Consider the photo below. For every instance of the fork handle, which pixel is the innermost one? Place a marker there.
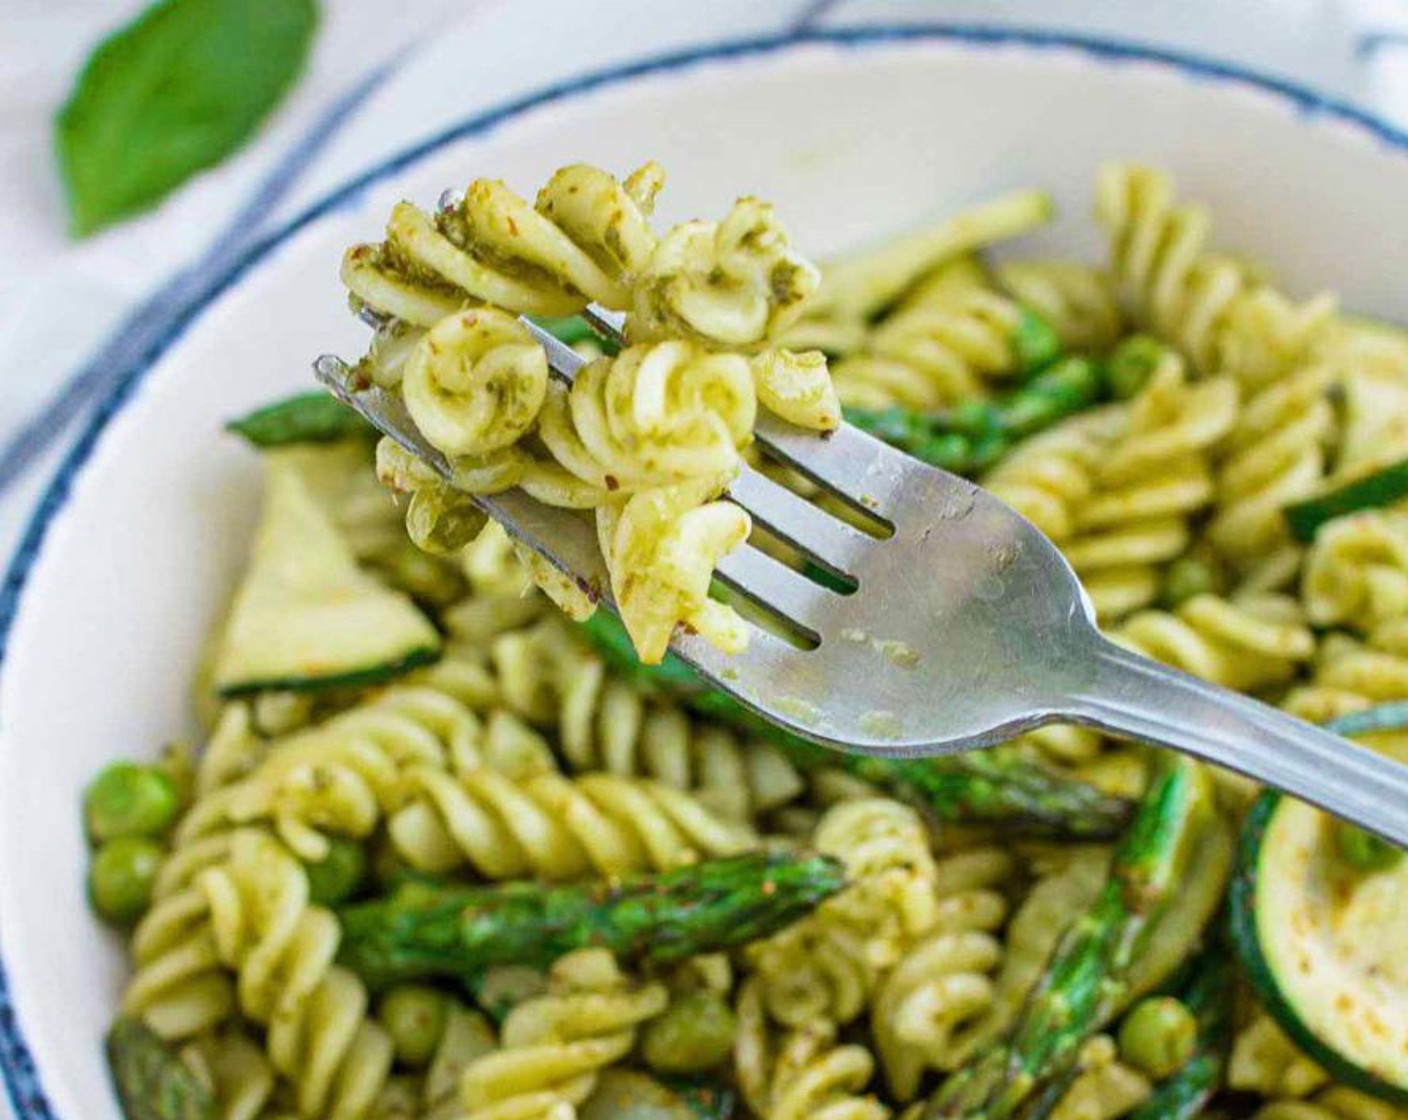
(1131, 695)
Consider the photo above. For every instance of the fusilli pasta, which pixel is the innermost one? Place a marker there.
(805, 1074)
(552, 1047)
(944, 983)
(601, 723)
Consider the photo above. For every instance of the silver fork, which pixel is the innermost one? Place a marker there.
(960, 626)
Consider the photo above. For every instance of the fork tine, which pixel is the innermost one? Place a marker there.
(562, 359)
(562, 537)
(778, 589)
(820, 537)
(850, 464)
(768, 672)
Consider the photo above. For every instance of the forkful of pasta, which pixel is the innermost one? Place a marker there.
(833, 584)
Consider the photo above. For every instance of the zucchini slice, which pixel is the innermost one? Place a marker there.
(307, 617)
(1325, 944)
(1181, 930)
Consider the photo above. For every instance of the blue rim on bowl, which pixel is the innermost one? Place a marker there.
(16, 1062)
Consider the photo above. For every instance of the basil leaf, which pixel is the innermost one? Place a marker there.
(174, 92)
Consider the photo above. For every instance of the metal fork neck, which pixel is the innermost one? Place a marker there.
(1130, 695)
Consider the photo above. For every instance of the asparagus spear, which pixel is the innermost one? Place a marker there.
(1184, 1095)
(1089, 970)
(303, 418)
(425, 930)
(972, 436)
(152, 1082)
(994, 786)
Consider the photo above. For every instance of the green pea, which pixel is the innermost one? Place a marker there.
(130, 800)
(1035, 343)
(1185, 578)
(336, 877)
(1158, 1036)
(414, 1015)
(1363, 850)
(692, 1035)
(121, 877)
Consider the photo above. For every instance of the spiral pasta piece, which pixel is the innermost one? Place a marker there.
(651, 416)
(956, 329)
(1356, 572)
(1275, 455)
(828, 965)
(797, 387)
(552, 1047)
(548, 826)
(733, 284)
(248, 915)
(804, 1075)
(232, 750)
(944, 983)
(551, 258)
(661, 548)
(1249, 644)
(885, 848)
(282, 948)
(1048, 476)
(348, 773)
(1076, 300)
(1368, 348)
(475, 382)
(179, 984)
(1148, 486)
(1117, 490)
(551, 677)
(1351, 675)
(1206, 304)
(865, 380)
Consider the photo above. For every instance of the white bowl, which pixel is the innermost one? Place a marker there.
(852, 136)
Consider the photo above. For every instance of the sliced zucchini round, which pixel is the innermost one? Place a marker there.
(1325, 943)
(306, 616)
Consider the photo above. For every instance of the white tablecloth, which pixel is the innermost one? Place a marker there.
(59, 300)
